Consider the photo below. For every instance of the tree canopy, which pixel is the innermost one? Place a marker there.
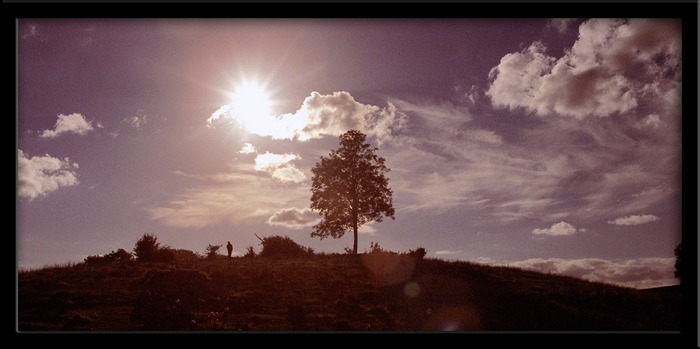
(349, 188)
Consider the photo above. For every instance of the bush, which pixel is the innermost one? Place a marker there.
(212, 250)
(375, 248)
(419, 252)
(278, 246)
(186, 257)
(165, 255)
(146, 248)
(250, 252)
(120, 256)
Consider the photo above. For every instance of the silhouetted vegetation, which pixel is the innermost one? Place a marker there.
(250, 252)
(119, 256)
(148, 249)
(282, 246)
(379, 290)
(349, 188)
(212, 250)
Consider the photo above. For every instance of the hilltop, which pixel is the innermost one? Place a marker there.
(329, 292)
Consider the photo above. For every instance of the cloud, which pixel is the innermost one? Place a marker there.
(651, 121)
(634, 220)
(294, 218)
(73, 123)
(446, 252)
(279, 166)
(137, 120)
(40, 175)
(225, 198)
(613, 67)
(557, 229)
(636, 273)
(247, 149)
(33, 31)
(320, 115)
(561, 24)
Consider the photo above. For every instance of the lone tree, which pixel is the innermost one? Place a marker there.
(349, 188)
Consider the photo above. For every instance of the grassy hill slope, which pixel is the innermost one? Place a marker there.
(367, 292)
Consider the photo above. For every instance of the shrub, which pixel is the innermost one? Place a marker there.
(165, 255)
(418, 252)
(278, 246)
(146, 248)
(120, 256)
(212, 250)
(186, 257)
(375, 248)
(250, 252)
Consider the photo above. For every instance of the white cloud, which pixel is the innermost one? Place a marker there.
(279, 166)
(557, 229)
(634, 220)
(294, 218)
(636, 273)
(33, 31)
(446, 252)
(608, 70)
(72, 123)
(319, 115)
(652, 121)
(40, 175)
(137, 120)
(226, 198)
(247, 149)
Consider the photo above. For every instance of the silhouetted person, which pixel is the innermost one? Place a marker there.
(229, 247)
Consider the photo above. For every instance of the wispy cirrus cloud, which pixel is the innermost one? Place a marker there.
(634, 220)
(41, 175)
(225, 198)
(71, 123)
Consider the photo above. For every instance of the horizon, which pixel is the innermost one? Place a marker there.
(543, 144)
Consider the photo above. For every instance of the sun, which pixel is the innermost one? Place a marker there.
(251, 105)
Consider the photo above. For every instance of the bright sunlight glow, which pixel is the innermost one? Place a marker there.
(251, 106)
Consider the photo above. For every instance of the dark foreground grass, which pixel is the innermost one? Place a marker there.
(369, 292)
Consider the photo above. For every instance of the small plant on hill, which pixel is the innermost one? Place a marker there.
(279, 246)
(250, 252)
(212, 250)
(375, 248)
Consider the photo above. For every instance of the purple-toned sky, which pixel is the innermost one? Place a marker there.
(545, 144)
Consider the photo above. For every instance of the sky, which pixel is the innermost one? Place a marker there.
(545, 144)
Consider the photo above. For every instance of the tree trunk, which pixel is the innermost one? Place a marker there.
(355, 202)
(354, 245)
